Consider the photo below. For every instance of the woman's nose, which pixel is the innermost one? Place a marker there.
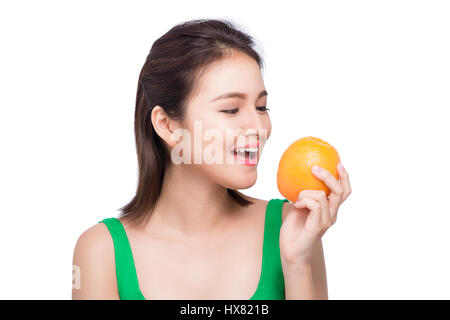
(252, 121)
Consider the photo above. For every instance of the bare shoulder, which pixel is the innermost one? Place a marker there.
(94, 265)
(94, 240)
(262, 204)
(287, 206)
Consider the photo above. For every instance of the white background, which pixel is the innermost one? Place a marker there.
(370, 77)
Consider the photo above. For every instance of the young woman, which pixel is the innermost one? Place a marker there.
(188, 233)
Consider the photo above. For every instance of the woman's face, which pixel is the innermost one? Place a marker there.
(217, 125)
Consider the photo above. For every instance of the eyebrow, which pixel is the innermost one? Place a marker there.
(239, 95)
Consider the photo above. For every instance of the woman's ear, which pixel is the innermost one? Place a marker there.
(164, 126)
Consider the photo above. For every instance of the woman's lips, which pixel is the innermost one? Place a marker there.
(245, 158)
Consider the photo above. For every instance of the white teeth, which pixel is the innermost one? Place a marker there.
(252, 153)
(246, 150)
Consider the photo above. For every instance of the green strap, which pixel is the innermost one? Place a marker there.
(127, 281)
(272, 282)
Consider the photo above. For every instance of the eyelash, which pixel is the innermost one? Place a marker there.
(236, 110)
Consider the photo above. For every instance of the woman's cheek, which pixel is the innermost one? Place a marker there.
(266, 128)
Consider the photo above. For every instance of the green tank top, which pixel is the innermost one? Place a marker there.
(271, 281)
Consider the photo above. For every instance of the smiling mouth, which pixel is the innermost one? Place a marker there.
(248, 156)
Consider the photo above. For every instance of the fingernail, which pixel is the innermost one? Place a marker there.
(316, 169)
(340, 166)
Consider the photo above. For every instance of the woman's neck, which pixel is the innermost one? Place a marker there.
(190, 204)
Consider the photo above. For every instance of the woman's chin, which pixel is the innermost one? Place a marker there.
(241, 180)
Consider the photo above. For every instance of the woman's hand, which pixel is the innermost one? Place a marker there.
(310, 217)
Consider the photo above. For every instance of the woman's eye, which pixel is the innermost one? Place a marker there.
(231, 111)
(263, 108)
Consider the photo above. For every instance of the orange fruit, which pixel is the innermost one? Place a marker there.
(294, 169)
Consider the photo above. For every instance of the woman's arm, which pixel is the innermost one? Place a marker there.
(319, 273)
(307, 281)
(303, 226)
(94, 275)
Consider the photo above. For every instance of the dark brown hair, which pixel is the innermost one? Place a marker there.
(169, 78)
